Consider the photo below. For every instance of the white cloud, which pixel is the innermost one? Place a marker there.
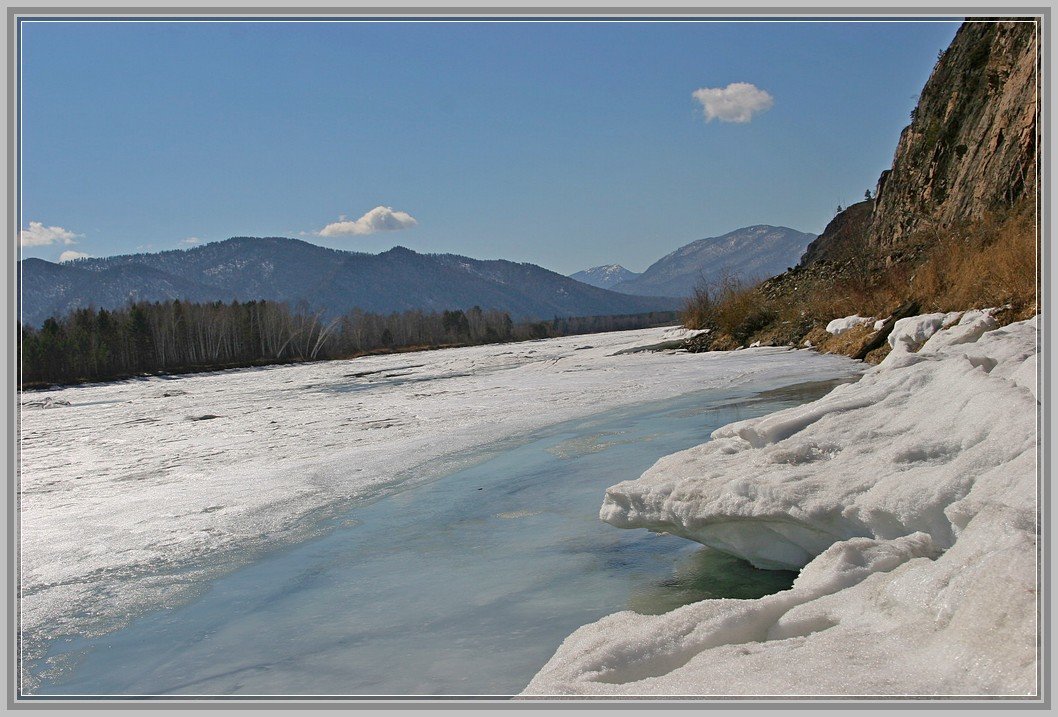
(379, 219)
(39, 235)
(737, 102)
(191, 241)
(71, 255)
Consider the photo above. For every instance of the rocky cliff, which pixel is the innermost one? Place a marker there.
(952, 225)
(971, 148)
(972, 145)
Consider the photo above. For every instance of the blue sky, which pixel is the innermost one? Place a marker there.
(565, 144)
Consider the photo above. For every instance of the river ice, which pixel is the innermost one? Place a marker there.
(908, 500)
(135, 492)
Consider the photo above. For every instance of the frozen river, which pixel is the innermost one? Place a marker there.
(427, 525)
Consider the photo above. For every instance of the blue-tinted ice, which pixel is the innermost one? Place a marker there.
(462, 586)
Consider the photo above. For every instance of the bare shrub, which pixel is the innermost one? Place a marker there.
(730, 305)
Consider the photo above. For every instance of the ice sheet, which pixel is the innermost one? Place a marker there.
(136, 491)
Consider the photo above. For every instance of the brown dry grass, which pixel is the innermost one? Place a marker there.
(989, 262)
(732, 306)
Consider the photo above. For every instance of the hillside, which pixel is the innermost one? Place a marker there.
(843, 236)
(755, 252)
(290, 270)
(53, 289)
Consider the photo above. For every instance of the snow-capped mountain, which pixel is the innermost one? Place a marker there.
(605, 276)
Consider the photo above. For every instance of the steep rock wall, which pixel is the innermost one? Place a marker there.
(972, 145)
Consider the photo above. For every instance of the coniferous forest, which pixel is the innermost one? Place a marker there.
(178, 337)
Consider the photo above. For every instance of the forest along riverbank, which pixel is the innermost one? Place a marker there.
(135, 493)
(465, 585)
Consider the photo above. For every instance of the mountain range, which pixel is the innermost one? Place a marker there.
(291, 270)
(753, 253)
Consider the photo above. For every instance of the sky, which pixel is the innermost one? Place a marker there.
(564, 144)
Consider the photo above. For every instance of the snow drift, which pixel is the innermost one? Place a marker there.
(908, 501)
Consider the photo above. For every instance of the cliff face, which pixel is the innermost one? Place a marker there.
(971, 147)
(970, 155)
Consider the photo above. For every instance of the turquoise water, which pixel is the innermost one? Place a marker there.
(462, 586)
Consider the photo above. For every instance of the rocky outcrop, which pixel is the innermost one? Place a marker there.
(844, 234)
(972, 145)
(971, 149)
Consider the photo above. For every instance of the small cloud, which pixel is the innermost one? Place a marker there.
(737, 102)
(379, 219)
(71, 255)
(39, 235)
(191, 241)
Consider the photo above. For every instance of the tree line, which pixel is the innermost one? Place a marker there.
(178, 336)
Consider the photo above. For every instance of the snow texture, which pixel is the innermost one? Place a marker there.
(908, 502)
(839, 326)
(133, 493)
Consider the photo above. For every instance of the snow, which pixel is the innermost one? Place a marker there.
(911, 334)
(679, 332)
(839, 326)
(136, 492)
(908, 502)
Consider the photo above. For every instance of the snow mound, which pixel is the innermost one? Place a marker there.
(908, 501)
(914, 333)
(839, 326)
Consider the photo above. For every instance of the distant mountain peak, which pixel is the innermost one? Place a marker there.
(604, 276)
(758, 251)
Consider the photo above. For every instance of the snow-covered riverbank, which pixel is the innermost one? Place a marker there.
(134, 492)
(910, 500)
